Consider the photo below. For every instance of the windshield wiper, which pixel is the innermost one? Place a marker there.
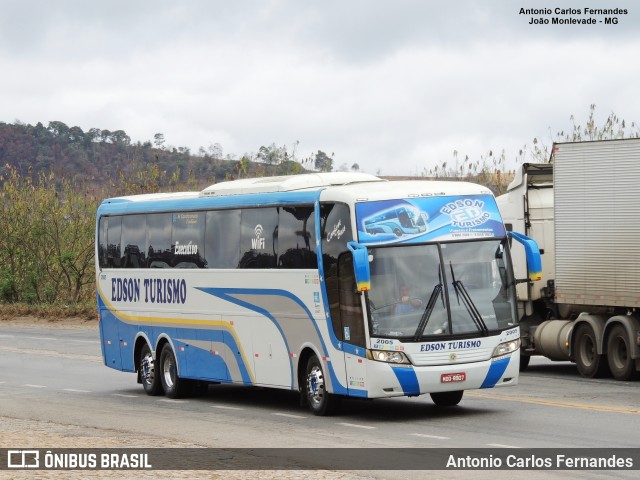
(461, 292)
(437, 290)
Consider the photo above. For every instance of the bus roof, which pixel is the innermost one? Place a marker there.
(305, 188)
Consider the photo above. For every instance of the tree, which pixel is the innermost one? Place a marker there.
(158, 140)
(323, 162)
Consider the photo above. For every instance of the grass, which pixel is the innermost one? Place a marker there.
(48, 312)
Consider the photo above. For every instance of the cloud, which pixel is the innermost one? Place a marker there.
(392, 86)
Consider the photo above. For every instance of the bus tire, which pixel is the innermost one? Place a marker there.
(589, 363)
(320, 401)
(149, 375)
(173, 385)
(622, 366)
(447, 399)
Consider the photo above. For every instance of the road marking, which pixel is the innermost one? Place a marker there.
(82, 341)
(355, 425)
(7, 336)
(500, 445)
(169, 400)
(30, 385)
(48, 339)
(124, 395)
(551, 403)
(289, 415)
(435, 437)
(3, 382)
(224, 407)
(76, 391)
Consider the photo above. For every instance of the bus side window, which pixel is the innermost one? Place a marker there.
(187, 240)
(297, 238)
(114, 242)
(350, 304)
(222, 249)
(335, 231)
(259, 238)
(102, 242)
(134, 240)
(159, 250)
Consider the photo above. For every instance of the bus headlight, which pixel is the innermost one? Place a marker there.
(506, 347)
(387, 356)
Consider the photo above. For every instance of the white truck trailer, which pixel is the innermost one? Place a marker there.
(583, 210)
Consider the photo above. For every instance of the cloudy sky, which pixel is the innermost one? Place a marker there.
(395, 86)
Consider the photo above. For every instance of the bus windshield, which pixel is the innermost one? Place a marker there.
(438, 290)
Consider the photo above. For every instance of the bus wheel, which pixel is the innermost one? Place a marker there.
(447, 399)
(148, 374)
(320, 401)
(589, 363)
(622, 366)
(174, 386)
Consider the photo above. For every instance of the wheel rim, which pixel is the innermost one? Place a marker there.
(147, 369)
(315, 383)
(587, 350)
(169, 371)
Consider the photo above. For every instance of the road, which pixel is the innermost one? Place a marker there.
(56, 376)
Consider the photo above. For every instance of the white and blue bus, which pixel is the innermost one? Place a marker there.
(276, 282)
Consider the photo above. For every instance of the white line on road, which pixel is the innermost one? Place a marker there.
(169, 400)
(224, 407)
(76, 391)
(49, 339)
(7, 336)
(499, 445)
(82, 341)
(124, 395)
(435, 437)
(30, 385)
(289, 415)
(355, 425)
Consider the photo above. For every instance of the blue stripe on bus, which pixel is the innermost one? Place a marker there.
(408, 380)
(225, 294)
(495, 372)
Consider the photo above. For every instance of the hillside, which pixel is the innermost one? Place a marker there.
(99, 157)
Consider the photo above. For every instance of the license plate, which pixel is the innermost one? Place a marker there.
(453, 377)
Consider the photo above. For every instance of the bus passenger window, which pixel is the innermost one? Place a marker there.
(134, 240)
(114, 241)
(258, 238)
(187, 240)
(296, 238)
(159, 251)
(222, 249)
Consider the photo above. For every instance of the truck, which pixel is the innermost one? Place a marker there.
(583, 210)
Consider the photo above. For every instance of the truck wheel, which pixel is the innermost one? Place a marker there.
(589, 363)
(447, 399)
(621, 364)
(148, 373)
(320, 401)
(174, 386)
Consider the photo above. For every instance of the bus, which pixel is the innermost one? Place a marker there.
(276, 282)
(400, 220)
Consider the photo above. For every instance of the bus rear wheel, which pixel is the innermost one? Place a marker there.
(320, 401)
(174, 386)
(148, 373)
(447, 399)
(622, 366)
(589, 363)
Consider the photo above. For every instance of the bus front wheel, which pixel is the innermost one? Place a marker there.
(320, 401)
(447, 399)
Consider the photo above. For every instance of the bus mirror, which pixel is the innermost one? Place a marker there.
(534, 261)
(360, 266)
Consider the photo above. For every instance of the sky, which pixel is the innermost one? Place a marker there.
(394, 86)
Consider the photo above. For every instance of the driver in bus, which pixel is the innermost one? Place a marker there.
(407, 303)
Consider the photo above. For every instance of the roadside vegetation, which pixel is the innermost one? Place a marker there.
(47, 215)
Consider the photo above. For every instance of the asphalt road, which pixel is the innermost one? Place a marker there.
(57, 375)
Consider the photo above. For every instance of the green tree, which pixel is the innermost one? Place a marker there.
(323, 162)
